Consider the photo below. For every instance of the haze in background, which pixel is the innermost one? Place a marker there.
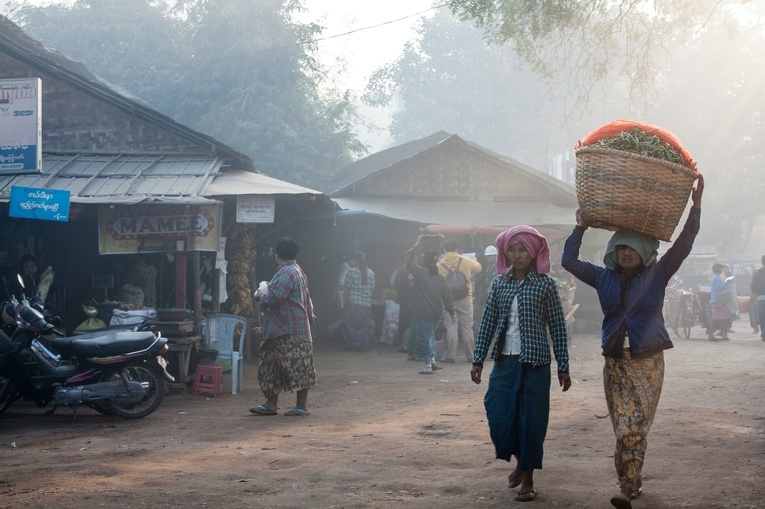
(374, 35)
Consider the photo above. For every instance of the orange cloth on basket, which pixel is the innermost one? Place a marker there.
(621, 125)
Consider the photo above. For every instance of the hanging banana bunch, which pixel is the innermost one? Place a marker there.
(240, 249)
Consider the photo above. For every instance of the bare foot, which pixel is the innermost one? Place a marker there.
(515, 478)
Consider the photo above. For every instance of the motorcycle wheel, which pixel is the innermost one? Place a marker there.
(8, 393)
(152, 383)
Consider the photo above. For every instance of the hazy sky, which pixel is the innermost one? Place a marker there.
(378, 37)
(379, 32)
(360, 35)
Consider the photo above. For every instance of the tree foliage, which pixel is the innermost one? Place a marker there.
(243, 72)
(450, 79)
(595, 42)
(709, 93)
(715, 93)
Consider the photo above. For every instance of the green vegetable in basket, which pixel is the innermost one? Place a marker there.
(640, 142)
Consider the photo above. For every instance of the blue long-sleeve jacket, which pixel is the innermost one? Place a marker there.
(643, 314)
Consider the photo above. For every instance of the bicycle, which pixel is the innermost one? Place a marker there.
(686, 314)
(681, 309)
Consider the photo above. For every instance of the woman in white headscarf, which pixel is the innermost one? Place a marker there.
(631, 292)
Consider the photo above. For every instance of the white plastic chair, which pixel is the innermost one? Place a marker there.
(220, 331)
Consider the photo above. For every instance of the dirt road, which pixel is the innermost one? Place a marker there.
(380, 435)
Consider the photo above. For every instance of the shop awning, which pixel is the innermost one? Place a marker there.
(464, 213)
(122, 178)
(237, 182)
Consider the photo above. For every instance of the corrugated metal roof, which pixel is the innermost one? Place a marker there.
(121, 178)
(236, 182)
(20, 46)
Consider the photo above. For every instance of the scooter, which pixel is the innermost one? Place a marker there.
(114, 372)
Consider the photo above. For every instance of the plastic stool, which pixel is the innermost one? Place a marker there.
(213, 386)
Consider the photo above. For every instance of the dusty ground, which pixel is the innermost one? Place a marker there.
(380, 435)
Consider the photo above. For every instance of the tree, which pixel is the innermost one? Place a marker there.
(450, 79)
(596, 42)
(136, 45)
(715, 94)
(243, 72)
(709, 94)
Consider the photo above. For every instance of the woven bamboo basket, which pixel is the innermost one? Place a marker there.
(618, 189)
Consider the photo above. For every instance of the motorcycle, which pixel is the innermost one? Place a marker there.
(118, 373)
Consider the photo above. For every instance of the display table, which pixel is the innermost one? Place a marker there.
(174, 329)
(182, 350)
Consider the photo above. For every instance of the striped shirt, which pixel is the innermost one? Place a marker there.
(287, 306)
(358, 293)
(539, 311)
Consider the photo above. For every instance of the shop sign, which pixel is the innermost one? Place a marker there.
(38, 203)
(157, 228)
(20, 126)
(255, 209)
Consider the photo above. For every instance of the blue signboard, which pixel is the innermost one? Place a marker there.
(37, 203)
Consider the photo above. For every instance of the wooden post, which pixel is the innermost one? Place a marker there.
(216, 290)
(180, 279)
(196, 289)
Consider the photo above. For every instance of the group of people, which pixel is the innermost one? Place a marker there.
(465, 301)
(522, 307)
(724, 305)
(354, 293)
(427, 300)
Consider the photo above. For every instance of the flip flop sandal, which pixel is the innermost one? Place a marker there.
(299, 412)
(263, 410)
(527, 496)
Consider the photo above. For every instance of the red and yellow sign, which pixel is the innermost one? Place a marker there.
(158, 228)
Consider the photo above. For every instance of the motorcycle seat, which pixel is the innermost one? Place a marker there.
(104, 344)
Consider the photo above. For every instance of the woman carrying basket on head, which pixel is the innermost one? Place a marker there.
(631, 292)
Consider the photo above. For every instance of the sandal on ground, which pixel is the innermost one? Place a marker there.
(526, 496)
(263, 410)
(514, 481)
(621, 501)
(299, 412)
